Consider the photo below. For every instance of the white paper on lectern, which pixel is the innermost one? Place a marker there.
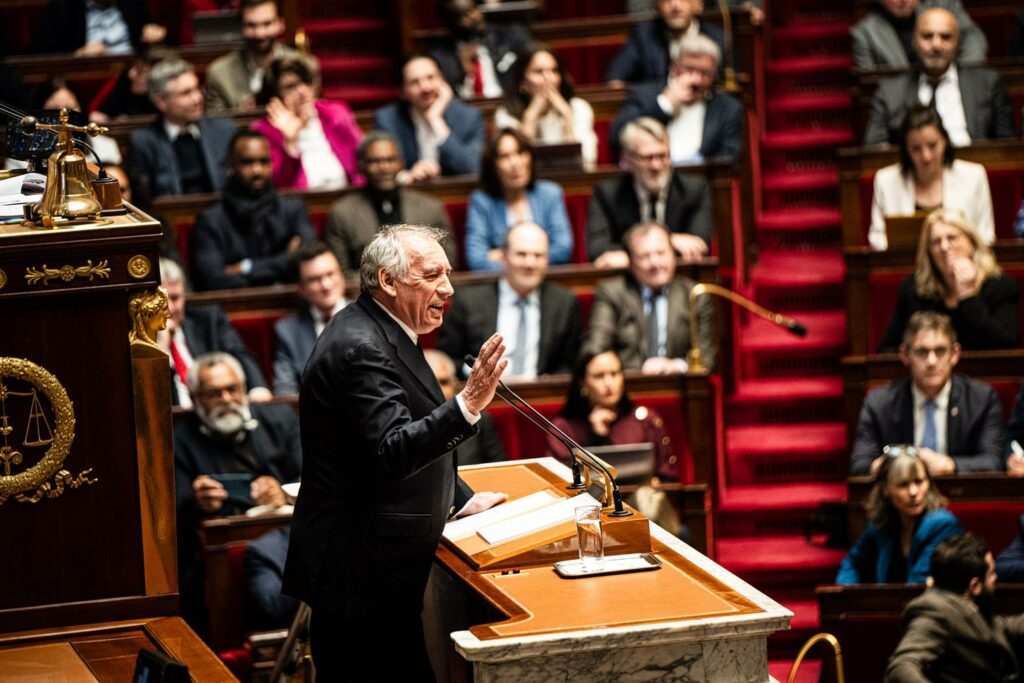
(467, 526)
(547, 516)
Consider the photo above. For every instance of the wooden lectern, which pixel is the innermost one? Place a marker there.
(87, 507)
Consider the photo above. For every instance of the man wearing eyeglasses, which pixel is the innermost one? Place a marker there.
(955, 422)
(650, 192)
(229, 455)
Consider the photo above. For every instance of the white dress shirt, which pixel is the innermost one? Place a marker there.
(948, 103)
(488, 74)
(318, 318)
(645, 203)
(508, 326)
(323, 170)
(173, 130)
(685, 130)
(941, 404)
(662, 303)
(107, 26)
(426, 141)
(163, 338)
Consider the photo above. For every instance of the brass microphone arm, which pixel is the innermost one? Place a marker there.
(836, 651)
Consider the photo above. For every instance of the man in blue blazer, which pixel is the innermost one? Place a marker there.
(702, 123)
(955, 422)
(182, 152)
(322, 288)
(648, 52)
(438, 134)
(378, 475)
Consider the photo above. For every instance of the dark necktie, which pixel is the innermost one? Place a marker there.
(653, 199)
(190, 164)
(653, 325)
(934, 85)
(930, 438)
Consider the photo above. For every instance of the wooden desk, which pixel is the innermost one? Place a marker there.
(544, 621)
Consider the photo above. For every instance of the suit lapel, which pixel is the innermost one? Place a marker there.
(547, 329)
(972, 104)
(633, 305)
(674, 202)
(954, 419)
(678, 319)
(627, 205)
(905, 413)
(410, 354)
(168, 156)
(711, 123)
(307, 331)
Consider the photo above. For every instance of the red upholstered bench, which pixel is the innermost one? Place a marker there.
(257, 332)
(995, 521)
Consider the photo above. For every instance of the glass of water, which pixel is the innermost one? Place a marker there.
(588, 533)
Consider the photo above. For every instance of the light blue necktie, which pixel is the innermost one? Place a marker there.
(519, 353)
(929, 438)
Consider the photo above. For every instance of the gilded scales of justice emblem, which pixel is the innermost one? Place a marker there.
(37, 426)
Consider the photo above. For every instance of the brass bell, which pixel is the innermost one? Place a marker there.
(68, 192)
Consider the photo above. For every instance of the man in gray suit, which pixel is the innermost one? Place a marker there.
(885, 36)
(540, 321)
(972, 102)
(355, 218)
(182, 152)
(322, 288)
(644, 316)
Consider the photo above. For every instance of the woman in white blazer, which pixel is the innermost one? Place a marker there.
(928, 177)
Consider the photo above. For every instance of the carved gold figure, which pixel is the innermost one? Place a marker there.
(149, 314)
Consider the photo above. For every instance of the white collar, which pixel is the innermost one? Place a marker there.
(952, 76)
(173, 130)
(506, 293)
(405, 328)
(941, 399)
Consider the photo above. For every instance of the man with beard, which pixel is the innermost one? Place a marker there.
(233, 80)
(355, 218)
(951, 633)
(228, 456)
(972, 101)
(249, 237)
(885, 37)
(476, 59)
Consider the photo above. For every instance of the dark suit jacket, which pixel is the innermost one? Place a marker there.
(62, 27)
(618, 323)
(207, 329)
(502, 41)
(353, 221)
(974, 425)
(1015, 428)
(473, 318)
(1016, 46)
(723, 119)
(1010, 562)
(263, 561)
(645, 55)
(485, 448)
(614, 209)
(378, 479)
(460, 153)
(986, 106)
(220, 240)
(947, 640)
(152, 155)
(294, 339)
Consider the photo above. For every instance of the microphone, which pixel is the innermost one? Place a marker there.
(570, 444)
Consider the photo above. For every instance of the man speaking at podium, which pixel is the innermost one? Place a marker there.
(378, 474)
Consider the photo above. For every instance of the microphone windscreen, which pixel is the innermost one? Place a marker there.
(798, 329)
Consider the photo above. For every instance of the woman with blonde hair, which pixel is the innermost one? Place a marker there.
(907, 518)
(957, 274)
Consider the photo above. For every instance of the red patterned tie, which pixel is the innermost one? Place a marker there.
(180, 366)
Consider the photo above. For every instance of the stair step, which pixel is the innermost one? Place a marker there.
(360, 96)
(321, 27)
(332, 61)
(803, 102)
(825, 329)
(781, 181)
(810, 670)
(753, 499)
(809, 64)
(802, 138)
(805, 613)
(779, 555)
(811, 30)
(822, 388)
(798, 269)
(799, 219)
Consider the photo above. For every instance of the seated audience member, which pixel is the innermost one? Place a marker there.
(438, 134)
(129, 94)
(598, 412)
(951, 633)
(1015, 432)
(322, 289)
(228, 456)
(955, 422)
(541, 104)
(249, 238)
(1016, 45)
(927, 177)
(539, 320)
(98, 27)
(263, 563)
(885, 37)
(475, 57)
(486, 446)
(197, 331)
(354, 219)
(956, 274)
(649, 193)
(56, 93)
(701, 122)
(183, 151)
(644, 316)
(312, 141)
(907, 518)
(655, 43)
(1010, 563)
(511, 194)
(972, 101)
(233, 80)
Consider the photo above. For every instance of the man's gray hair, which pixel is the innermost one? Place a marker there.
(645, 125)
(170, 271)
(209, 360)
(376, 136)
(163, 73)
(700, 45)
(387, 250)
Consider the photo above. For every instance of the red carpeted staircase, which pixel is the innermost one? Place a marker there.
(785, 440)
